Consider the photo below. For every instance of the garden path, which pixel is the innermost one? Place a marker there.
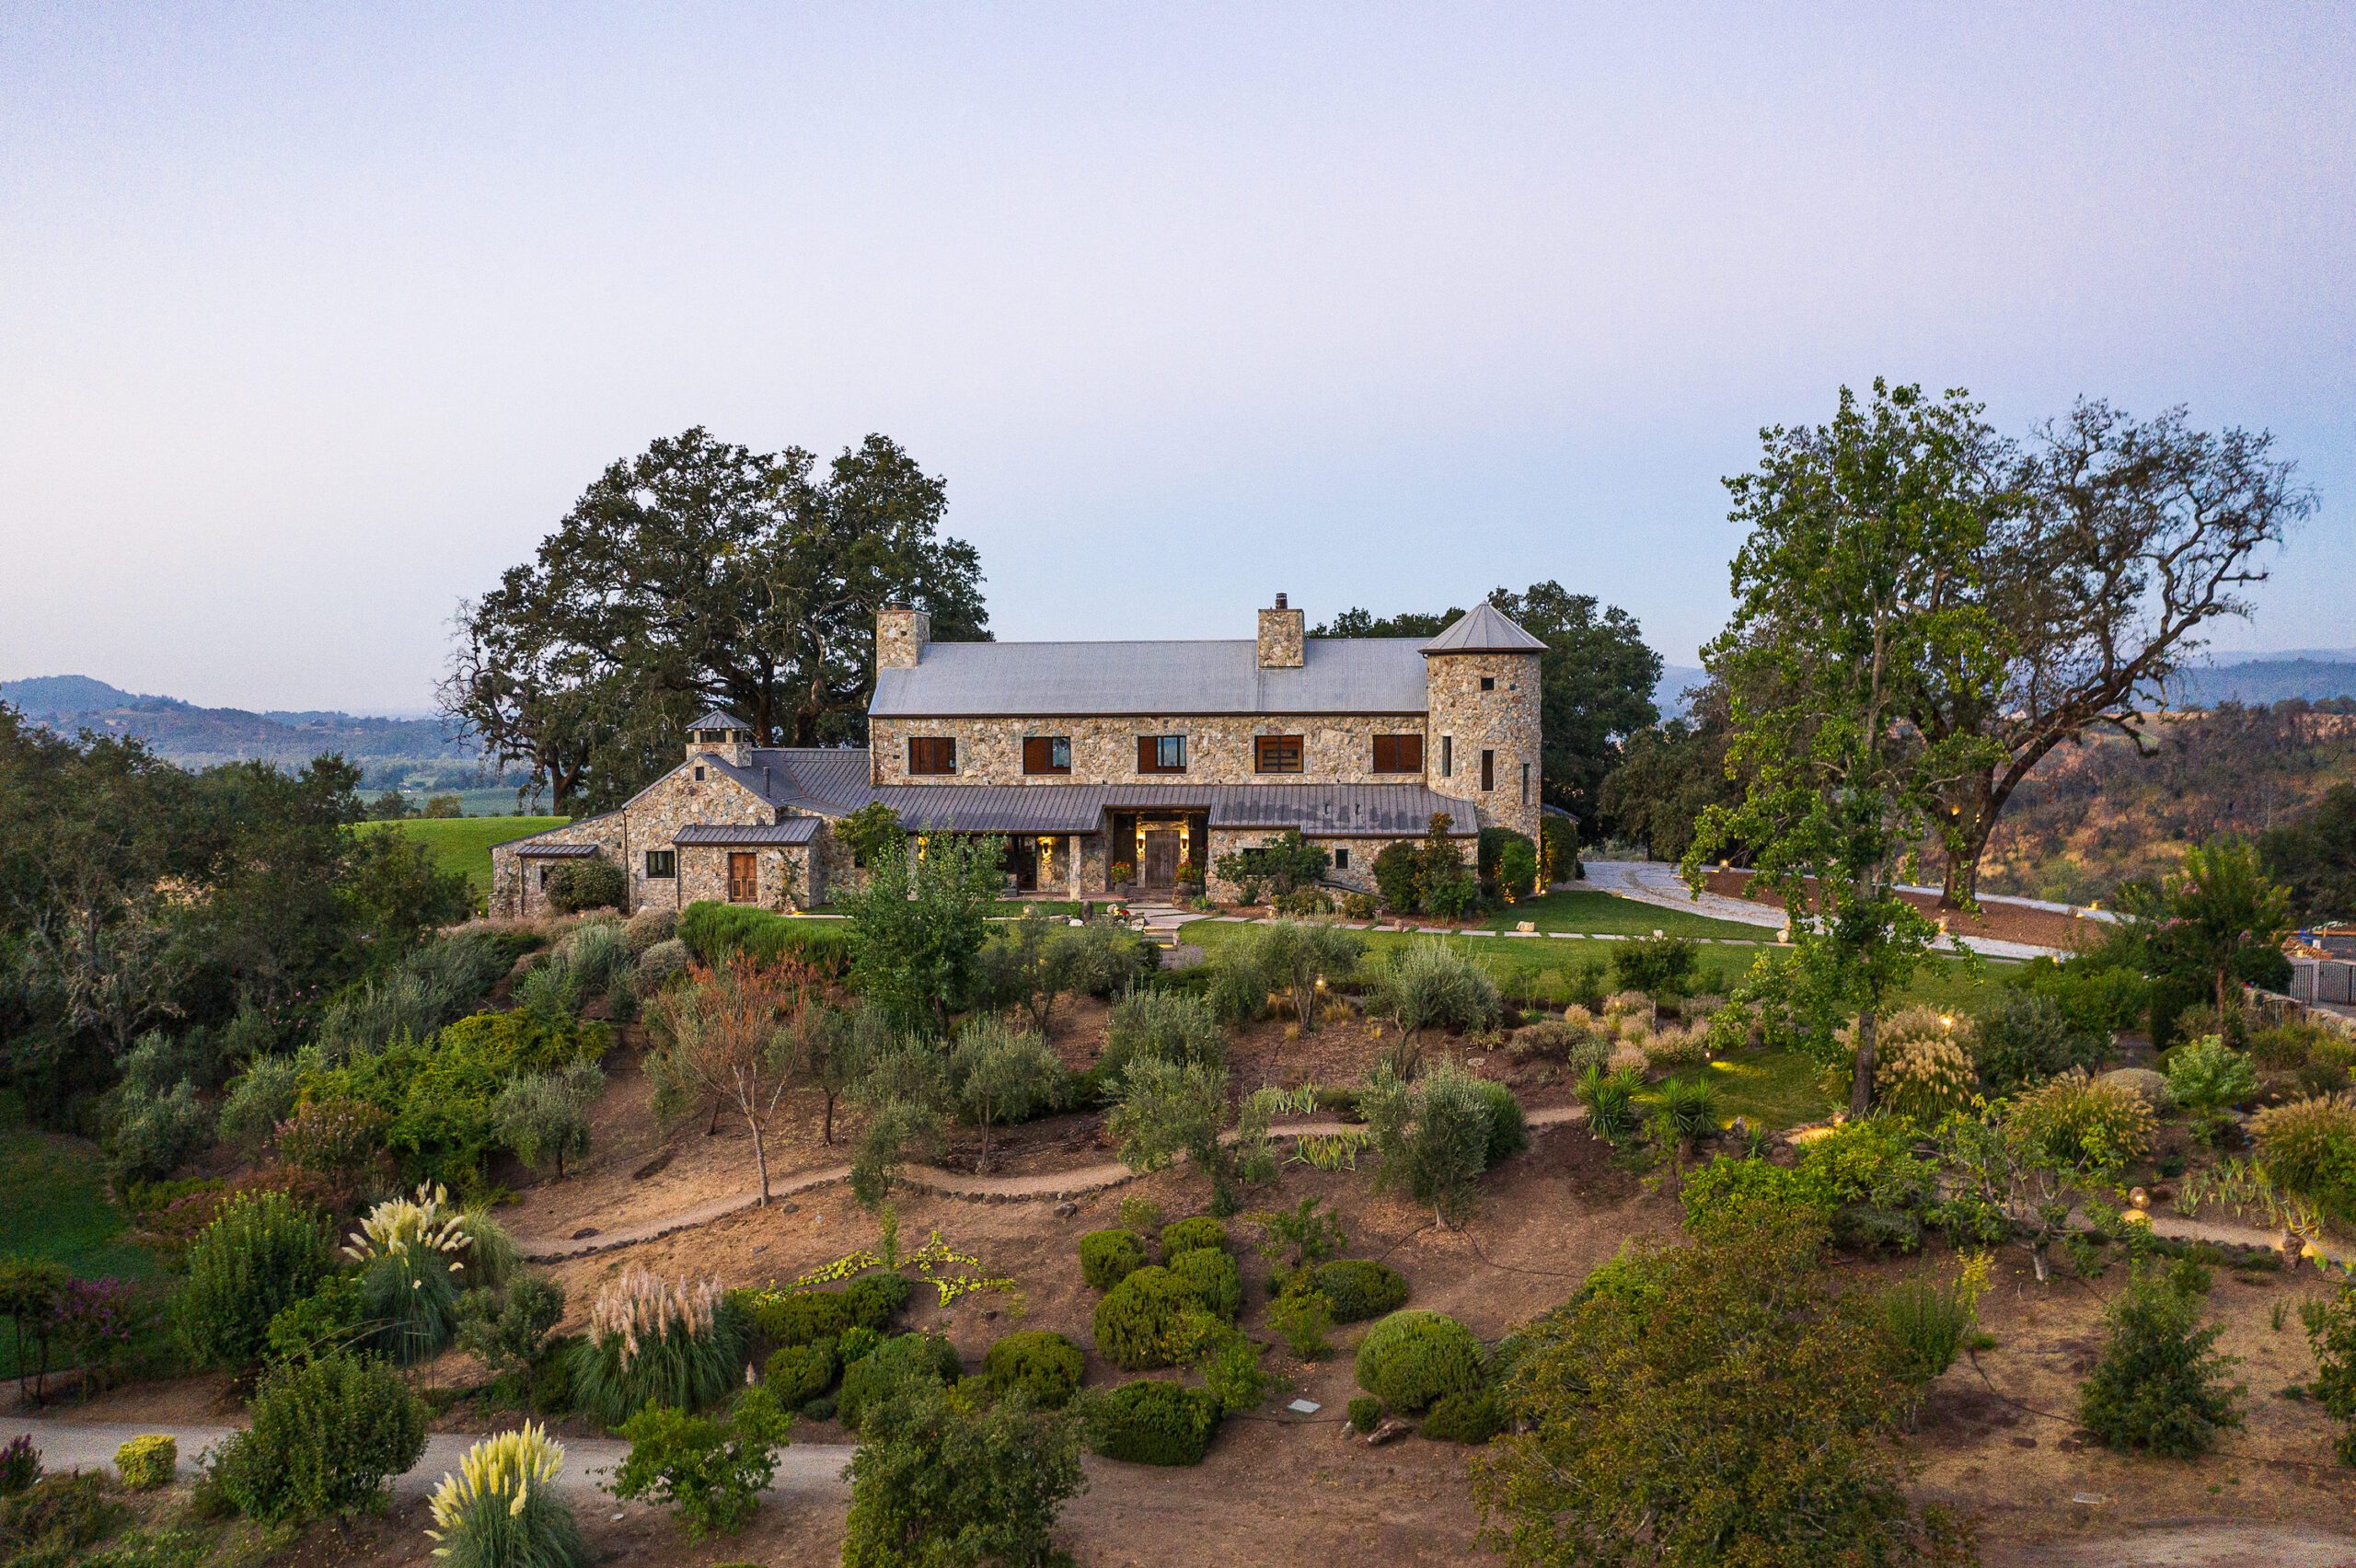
(1657, 882)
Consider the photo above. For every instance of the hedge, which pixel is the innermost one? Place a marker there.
(1108, 1257)
(1154, 1423)
(800, 1317)
(800, 1373)
(876, 1298)
(871, 1377)
(1154, 1318)
(1212, 1276)
(1186, 1235)
(717, 932)
(147, 1462)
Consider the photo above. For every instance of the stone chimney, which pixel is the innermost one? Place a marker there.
(1280, 637)
(900, 636)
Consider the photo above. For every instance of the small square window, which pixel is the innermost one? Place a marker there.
(932, 754)
(1276, 754)
(1488, 683)
(1398, 753)
(662, 862)
(1162, 754)
(1046, 754)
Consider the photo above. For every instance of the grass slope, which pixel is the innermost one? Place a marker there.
(463, 844)
(1585, 909)
(53, 1206)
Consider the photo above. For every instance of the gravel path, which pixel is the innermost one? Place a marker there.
(803, 1467)
(1049, 1184)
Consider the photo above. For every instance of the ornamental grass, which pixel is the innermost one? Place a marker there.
(501, 1509)
(653, 1341)
(410, 1252)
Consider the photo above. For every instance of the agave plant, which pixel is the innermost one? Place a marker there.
(652, 1341)
(502, 1510)
(410, 1254)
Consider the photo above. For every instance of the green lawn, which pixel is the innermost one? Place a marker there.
(463, 844)
(53, 1206)
(1774, 1088)
(1584, 909)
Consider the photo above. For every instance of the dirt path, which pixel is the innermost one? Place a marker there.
(1047, 1184)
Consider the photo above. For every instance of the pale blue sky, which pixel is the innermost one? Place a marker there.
(313, 319)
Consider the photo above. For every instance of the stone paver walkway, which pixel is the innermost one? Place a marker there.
(1038, 1185)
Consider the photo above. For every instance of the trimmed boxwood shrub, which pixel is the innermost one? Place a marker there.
(1186, 1235)
(802, 1317)
(1365, 1412)
(1108, 1257)
(1212, 1276)
(1361, 1288)
(1154, 1318)
(148, 1462)
(1045, 1365)
(800, 1373)
(592, 884)
(1466, 1418)
(875, 1300)
(1153, 1423)
(871, 1377)
(1412, 1358)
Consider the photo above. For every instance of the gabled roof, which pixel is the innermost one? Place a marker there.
(1484, 628)
(719, 718)
(792, 830)
(1337, 674)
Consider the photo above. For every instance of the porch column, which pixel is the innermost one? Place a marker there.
(1071, 862)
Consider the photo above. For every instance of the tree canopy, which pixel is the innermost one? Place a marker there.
(703, 574)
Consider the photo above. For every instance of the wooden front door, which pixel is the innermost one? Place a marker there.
(1161, 867)
(744, 879)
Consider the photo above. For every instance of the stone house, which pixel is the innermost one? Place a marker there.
(1093, 758)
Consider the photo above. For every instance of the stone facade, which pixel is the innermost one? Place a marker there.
(1503, 721)
(1357, 875)
(1337, 749)
(900, 635)
(1282, 631)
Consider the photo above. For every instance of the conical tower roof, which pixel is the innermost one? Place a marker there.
(1484, 628)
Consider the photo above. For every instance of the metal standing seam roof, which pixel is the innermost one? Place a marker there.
(526, 846)
(1484, 628)
(719, 718)
(1337, 674)
(792, 830)
(1342, 811)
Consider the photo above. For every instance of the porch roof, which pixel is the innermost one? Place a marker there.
(792, 830)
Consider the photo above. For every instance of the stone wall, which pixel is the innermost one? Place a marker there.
(1337, 749)
(1505, 721)
(783, 873)
(1280, 643)
(1358, 875)
(900, 636)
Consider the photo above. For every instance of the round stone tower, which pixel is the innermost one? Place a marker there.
(1482, 720)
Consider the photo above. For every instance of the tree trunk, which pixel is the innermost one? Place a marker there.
(983, 1163)
(829, 1136)
(1960, 883)
(760, 1159)
(1861, 1081)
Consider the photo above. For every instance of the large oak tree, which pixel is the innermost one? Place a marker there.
(705, 575)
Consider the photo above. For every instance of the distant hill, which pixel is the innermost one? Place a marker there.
(2316, 675)
(1676, 680)
(419, 753)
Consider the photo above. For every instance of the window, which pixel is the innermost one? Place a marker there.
(932, 754)
(1341, 859)
(1447, 757)
(1046, 754)
(1488, 770)
(1488, 683)
(662, 862)
(1525, 783)
(1276, 753)
(699, 775)
(544, 876)
(1162, 754)
(1398, 753)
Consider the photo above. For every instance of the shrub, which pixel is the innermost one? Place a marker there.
(1658, 966)
(659, 965)
(56, 1517)
(1366, 1410)
(1212, 1276)
(1434, 984)
(944, 1480)
(1713, 1192)
(874, 1300)
(1927, 1321)
(262, 1255)
(875, 1378)
(800, 1373)
(1473, 1417)
(262, 1095)
(593, 882)
(708, 1470)
(796, 1317)
(1922, 1066)
(1611, 1101)
(19, 1465)
(2160, 1386)
(148, 1462)
(1298, 958)
(1304, 1318)
(1673, 1048)
(153, 1134)
(2094, 996)
(408, 1251)
(2024, 1038)
(1433, 1136)
(857, 1343)
(502, 1510)
(2308, 1147)
(1412, 1357)
(1509, 1128)
(717, 932)
(2077, 1121)
(544, 1117)
(651, 927)
(1186, 1235)
(1108, 1257)
(1396, 868)
(507, 1331)
(1231, 1373)
(2331, 1334)
(1168, 1026)
(1360, 905)
(1360, 1288)
(1044, 1367)
(1154, 1318)
(1153, 1423)
(652, 1342)
(2208, 1076)
(325, 1438)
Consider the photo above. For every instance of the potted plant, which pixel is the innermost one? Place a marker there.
(1124, 873)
